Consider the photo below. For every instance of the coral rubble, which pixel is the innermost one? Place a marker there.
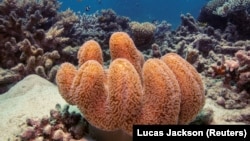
(61, 125)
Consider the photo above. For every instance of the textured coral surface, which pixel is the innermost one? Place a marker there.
(168, 90)
(103, 68)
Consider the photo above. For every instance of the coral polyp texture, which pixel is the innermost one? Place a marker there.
(190, 84)
(161, 94)
(122, 46)
(164, 91)
(90, 50)
(64, 81)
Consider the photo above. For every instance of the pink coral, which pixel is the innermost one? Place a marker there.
(236, 69)
(231, 65)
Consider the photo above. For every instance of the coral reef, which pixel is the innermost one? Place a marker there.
(212, 52)
(38, 36)
(8, 77)
(235, 70)
(22, 23)
(142, 33)
(123, 72)
(33, 35)
(109, 21)
(199, 44)
(98, 26)
(156, 53)
(145, 87)
(61, 125)
(227, 13)
(225, 7)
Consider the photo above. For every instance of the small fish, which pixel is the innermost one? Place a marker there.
(99, 1)
(87, 8)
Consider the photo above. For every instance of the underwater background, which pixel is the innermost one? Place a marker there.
(140, 10)
(88, 70)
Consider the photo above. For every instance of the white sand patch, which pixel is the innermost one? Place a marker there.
(31, 97)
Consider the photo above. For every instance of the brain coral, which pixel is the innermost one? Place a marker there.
(122, 46)
(166, 90)
(143, 33)
(90, 50)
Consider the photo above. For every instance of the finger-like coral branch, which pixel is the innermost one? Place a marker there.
(168, 91)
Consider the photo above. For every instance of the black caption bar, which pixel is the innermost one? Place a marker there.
(199, 132)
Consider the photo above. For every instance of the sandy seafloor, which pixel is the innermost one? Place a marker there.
(31, 97)
(34, 97)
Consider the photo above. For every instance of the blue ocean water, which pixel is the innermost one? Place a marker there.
(140, 10)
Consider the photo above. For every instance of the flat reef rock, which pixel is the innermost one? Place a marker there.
(32, 97)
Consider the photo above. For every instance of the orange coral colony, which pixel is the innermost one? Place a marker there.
(90, 50)
(122, 46)
(158, 91)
